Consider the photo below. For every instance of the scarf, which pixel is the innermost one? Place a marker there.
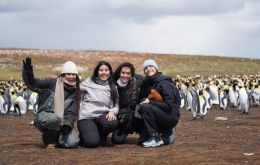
(121, 84)
(101, 82)
(59, 95)
(154, 77)
(59, 98)
(72, 84)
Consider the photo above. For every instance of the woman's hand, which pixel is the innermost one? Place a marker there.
(145, 101)
(111, 116)
(27, 63)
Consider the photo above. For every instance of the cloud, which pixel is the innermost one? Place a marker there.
(16, 6)
(128, 8)
(207, 27)
(145, 9)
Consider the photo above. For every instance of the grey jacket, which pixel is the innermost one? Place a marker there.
(96, 100)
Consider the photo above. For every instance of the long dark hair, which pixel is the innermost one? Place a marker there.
(78, 92)
(111, 82)
(119, 68)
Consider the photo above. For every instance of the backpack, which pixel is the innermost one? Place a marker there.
(176, 95)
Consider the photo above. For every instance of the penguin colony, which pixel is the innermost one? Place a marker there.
(16, 98)
(198, 94)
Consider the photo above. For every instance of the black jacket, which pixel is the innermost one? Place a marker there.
(128, 96)
(165, 86)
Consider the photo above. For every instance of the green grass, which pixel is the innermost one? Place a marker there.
(10, 74)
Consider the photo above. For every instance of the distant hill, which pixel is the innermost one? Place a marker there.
(49, 62)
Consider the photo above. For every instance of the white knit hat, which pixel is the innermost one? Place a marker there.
(151, 63)
(69, 67)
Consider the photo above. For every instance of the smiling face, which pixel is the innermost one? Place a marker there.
(70, 77)
(125, 75)
(103, 72)
(149, 71)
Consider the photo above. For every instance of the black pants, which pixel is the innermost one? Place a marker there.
(156, 121)
(92, 131)
(119, 136)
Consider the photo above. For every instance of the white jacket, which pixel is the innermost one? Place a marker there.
(96, 100)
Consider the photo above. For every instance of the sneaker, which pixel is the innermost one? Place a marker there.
(153, 142)
(168, 136)
(142, 139)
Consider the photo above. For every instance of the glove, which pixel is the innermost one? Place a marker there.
(65, 130)
(27, 63)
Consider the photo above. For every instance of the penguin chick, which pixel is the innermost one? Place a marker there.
(155, 95)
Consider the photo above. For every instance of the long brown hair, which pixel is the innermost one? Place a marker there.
(111, 82)
(77, 92)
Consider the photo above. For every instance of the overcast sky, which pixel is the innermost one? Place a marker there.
(206, 27)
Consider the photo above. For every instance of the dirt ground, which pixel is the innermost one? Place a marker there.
(207, 141)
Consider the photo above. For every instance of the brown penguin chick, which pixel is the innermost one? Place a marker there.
(155, 95)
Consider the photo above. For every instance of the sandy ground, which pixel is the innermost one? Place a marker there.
(203, 141)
